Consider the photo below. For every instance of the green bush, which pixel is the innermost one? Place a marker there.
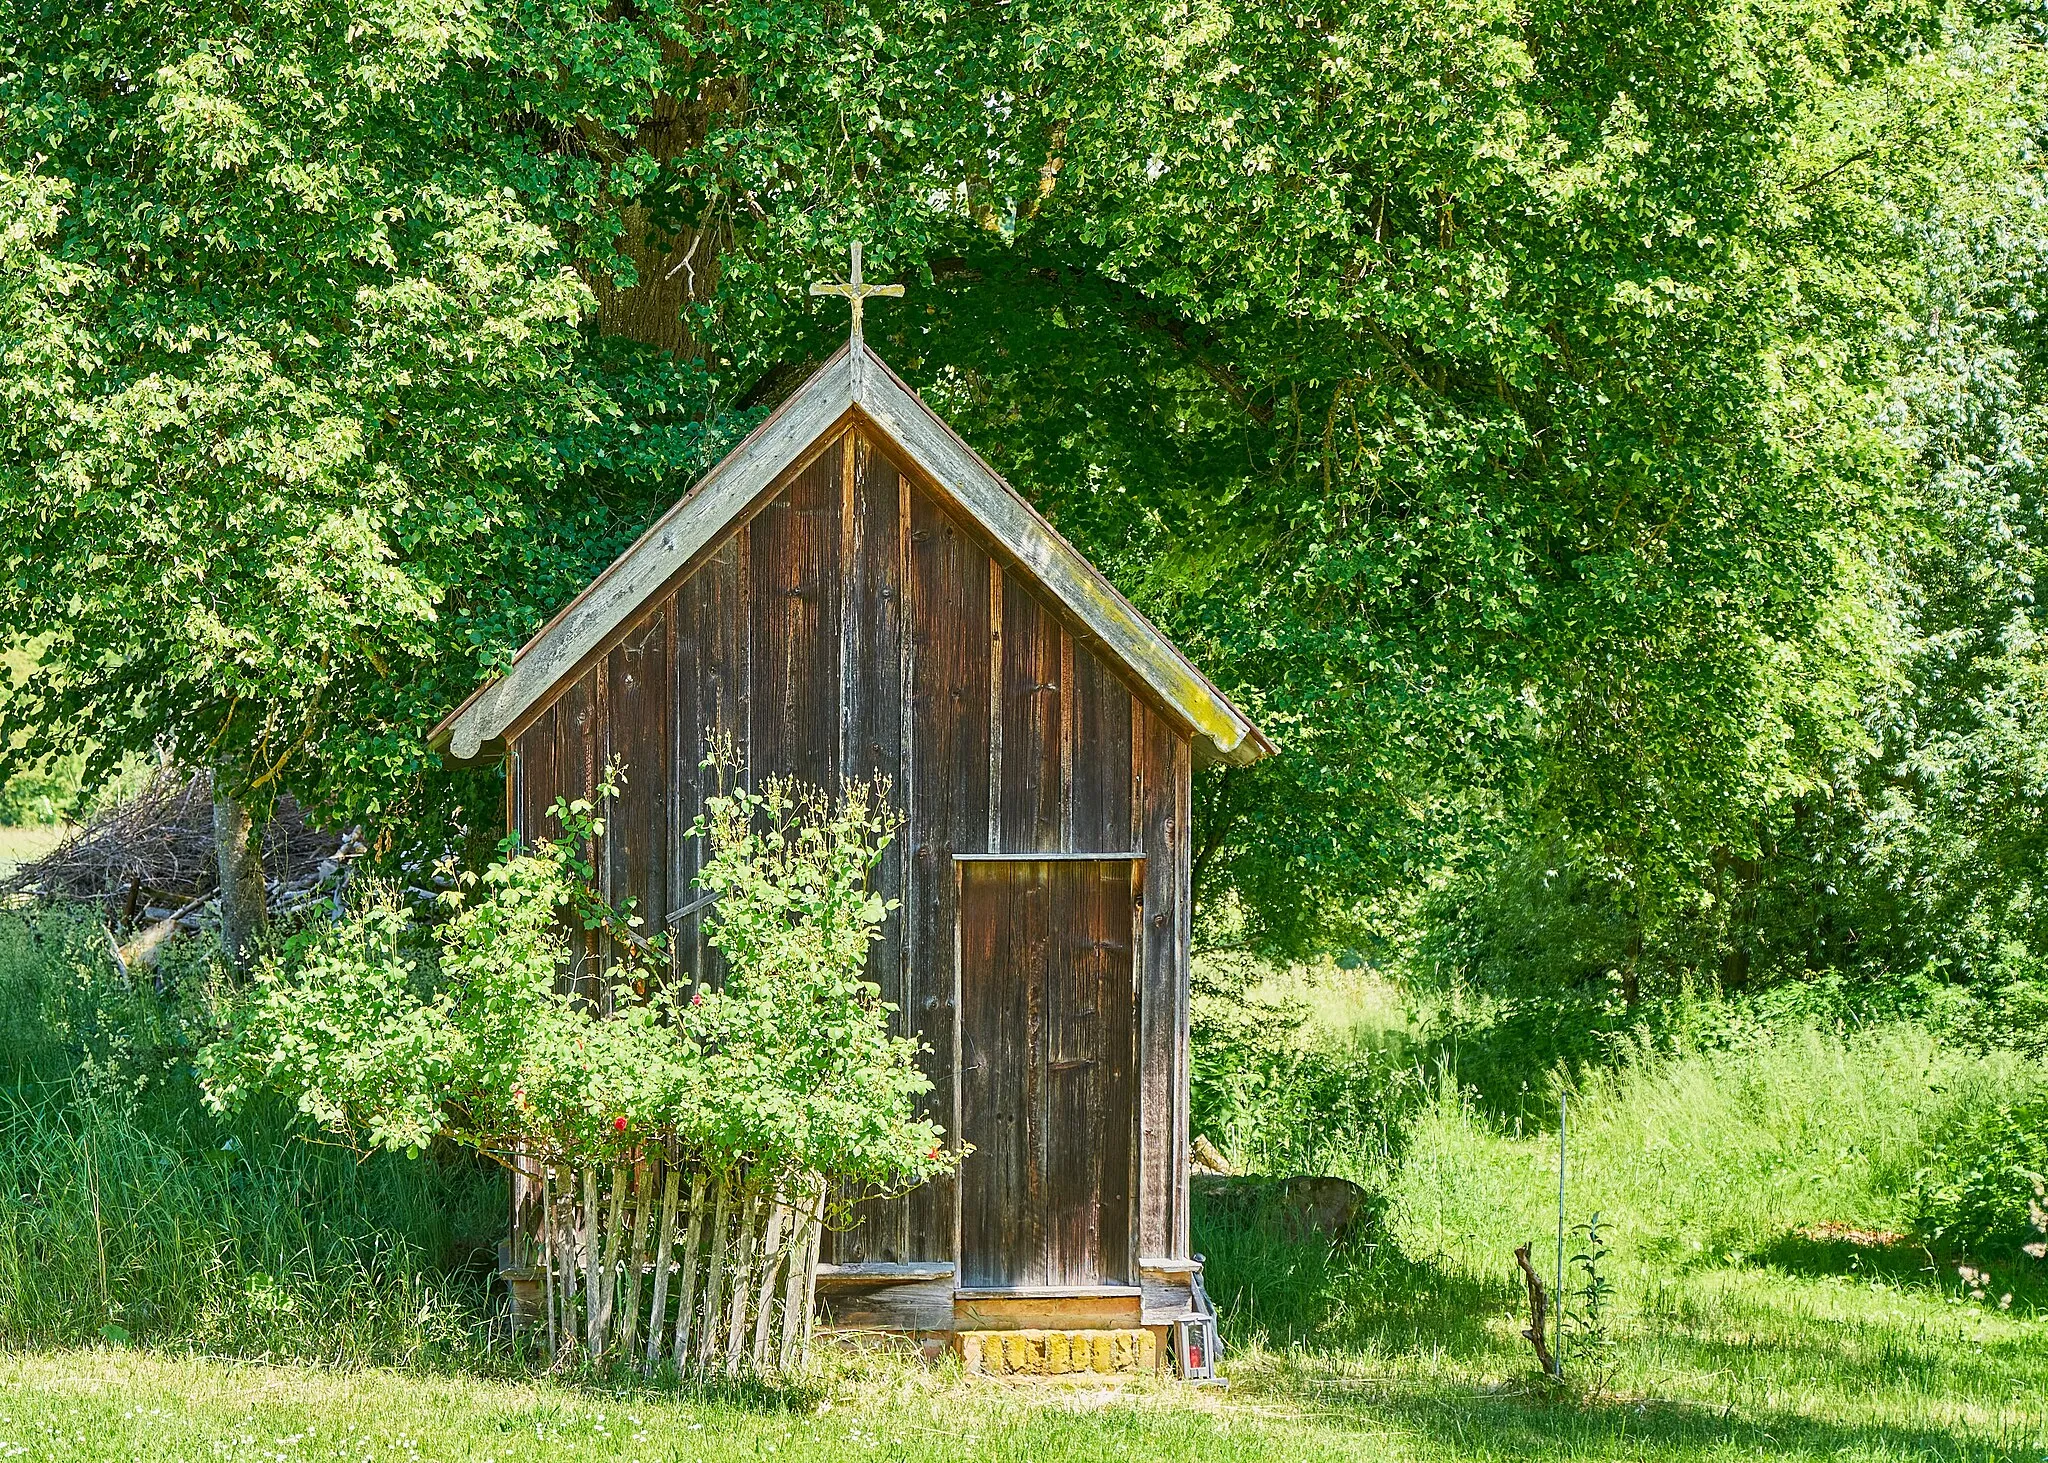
(391, 1035)
(1984, 1186)
(47, 794)
(1282, 1097)
(54, 790)
(128, 1209)
(68, 1014)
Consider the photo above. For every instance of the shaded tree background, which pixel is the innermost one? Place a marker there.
(1596, 441)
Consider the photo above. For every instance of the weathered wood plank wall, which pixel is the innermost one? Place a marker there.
(852, 624)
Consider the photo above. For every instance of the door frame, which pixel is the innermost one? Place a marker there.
(1133, 1157)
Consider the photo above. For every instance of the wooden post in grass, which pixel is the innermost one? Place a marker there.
(764, 1299)
(547, 1249)
(686, 1303)
(1557, 1348)
(636, 1259)
(742, 1276)
(715, 1242)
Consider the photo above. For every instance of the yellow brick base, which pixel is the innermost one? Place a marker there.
(1057, 1353)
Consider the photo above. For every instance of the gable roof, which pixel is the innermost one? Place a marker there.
(853, 382)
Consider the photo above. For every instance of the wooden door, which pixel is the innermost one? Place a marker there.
(1047, 1025)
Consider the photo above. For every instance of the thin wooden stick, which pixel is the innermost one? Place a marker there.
(805, 1222)
(742, 1275)
(607, 1295)
(590, 1259)
(707, 1344)
(810, 1295)
(686, 1302)
(636, 1262)
(1538, 1313)
(764, 1299)
(565, 1238)
(657, 1310)
(547, 1250)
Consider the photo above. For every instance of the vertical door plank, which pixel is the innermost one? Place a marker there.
(949, 800)
(1031, 896)
(1122, 895)
(1072, 1039)
(1088, 1005)
(996, 943)
(1031, 693)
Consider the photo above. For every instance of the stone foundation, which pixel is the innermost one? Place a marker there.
(1034, 1353)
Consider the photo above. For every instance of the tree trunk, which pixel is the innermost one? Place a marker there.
(676, 261)
(1631, 981)
(677, 272)
(239, 855)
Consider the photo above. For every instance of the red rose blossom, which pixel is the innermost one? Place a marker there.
(619, 1124)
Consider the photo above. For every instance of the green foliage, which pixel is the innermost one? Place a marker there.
(799, 1067)
(239, 1240)
(1537, 451)
(71, 1015)
(392, 1035)
(1729, 1148)
(1508, 431)
(1699, 1126)
(125, 1202)
(294, 383)
(1756, 1198)
(40, 795)
(1587, 1351)
(1984, 1187)
(1280, 1097)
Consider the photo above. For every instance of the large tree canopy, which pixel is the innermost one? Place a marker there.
(1501, 399)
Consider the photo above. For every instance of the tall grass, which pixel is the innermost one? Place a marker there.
(1717, 1150)
(1759, 1153)
(129, 1210)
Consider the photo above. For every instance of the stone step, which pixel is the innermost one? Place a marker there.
(1036, 1353)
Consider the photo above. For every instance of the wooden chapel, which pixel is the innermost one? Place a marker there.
(852, 591)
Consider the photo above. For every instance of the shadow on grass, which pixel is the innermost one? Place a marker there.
(1367, 1338)
(1292, 1293)
(1530, 1424)
(625, 1383)
(1900, 1261)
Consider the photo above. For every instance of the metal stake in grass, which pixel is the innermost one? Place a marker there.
(1557, 1348)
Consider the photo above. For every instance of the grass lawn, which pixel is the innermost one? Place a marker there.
(19, 845)
(1819, 1349)
(1754, 1199)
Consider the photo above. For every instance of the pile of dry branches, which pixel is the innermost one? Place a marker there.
(150, 860)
